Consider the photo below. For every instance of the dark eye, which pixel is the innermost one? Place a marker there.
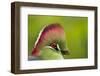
(55, 46)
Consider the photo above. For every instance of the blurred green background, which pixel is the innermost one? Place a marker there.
(76, 29)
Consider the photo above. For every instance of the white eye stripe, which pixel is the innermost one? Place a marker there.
(48, 47)
(52, 47)
(58, 47)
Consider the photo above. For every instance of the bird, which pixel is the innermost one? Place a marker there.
(50, 43)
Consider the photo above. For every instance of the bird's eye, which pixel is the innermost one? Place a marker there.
(55, 46)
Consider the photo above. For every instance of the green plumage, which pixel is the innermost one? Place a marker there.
(50, 54)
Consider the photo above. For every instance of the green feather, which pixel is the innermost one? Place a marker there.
(50, 54)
